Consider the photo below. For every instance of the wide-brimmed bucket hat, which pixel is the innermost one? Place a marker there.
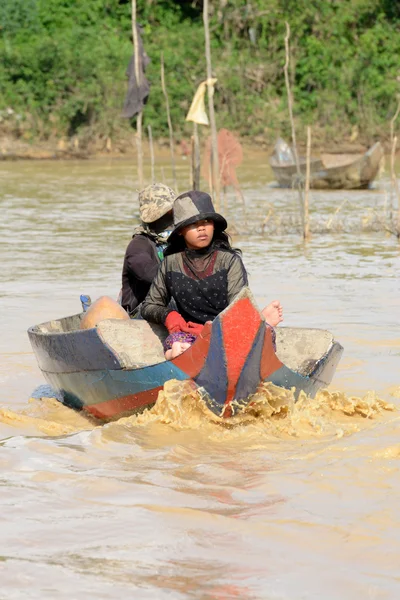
(191, 207)
(155, 201)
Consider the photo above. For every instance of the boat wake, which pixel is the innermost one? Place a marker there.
(272, 411)
(271, 414)
(44, 416)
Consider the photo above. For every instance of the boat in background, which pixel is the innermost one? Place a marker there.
(330, 171)
(118, 367)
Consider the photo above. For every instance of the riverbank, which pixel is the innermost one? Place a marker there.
(76, 149)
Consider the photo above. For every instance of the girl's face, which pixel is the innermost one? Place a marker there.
(198, 235)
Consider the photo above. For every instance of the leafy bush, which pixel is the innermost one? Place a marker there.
(64, 64)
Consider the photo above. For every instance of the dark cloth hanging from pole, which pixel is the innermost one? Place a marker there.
(136, 96)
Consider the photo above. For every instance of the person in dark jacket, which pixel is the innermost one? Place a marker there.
(144, 253)
(201, 272)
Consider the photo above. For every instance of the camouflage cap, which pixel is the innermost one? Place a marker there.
(155, 201)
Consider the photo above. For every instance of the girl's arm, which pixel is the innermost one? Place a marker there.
(237, 277)
(154, 307)
(141, 260)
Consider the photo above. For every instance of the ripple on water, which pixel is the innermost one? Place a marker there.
(175, 503)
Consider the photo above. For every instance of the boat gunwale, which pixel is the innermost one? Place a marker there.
(367, 163)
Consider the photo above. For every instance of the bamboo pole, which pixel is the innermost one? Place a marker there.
(307, 187)
(195, 158)
(395, 183)
(210, 89)
(396, 114)
(290, 107)
(394, 188)
(192, 165)
(139, 118)
(171, 131)
(210, 176)
(153, 178)
(225, 197)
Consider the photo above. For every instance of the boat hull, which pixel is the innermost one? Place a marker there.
(227, 362)
(358, 174)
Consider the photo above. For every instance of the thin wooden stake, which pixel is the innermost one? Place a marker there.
(393, 179)
(395, 183)
(307, 187)
(153, 177)
(289, 96)
(396, 114)
(225, 196)
(139, 117)
(215, 178)
(210, 175)
(171, 132)
(195, 158)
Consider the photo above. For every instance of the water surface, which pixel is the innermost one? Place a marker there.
(297, 503)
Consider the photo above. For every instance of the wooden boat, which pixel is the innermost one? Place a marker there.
(118, 367)
(331, 171)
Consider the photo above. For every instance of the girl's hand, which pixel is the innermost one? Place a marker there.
(175, 322)
(193, 328)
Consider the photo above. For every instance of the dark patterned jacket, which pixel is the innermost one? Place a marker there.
(202, 283)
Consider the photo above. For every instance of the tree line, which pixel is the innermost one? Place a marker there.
(63, 66)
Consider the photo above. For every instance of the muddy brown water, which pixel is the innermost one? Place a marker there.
(288, 502)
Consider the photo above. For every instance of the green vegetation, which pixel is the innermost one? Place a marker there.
(63, 65)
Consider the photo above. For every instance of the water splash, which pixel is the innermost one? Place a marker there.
(271, 412)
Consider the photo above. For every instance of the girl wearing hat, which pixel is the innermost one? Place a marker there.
(201, 272)
(145, 250)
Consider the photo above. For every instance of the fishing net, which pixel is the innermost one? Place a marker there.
(230, 156)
